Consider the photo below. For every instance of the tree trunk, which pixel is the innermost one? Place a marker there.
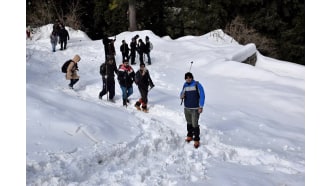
(132, 15)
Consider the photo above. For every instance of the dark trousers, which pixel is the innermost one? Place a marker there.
(108, 86)
(63, 42)
(141, 57)
(144, 97)
(125, 56)
(73, 81)
(132, 57)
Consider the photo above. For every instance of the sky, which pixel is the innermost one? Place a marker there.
(252, 126)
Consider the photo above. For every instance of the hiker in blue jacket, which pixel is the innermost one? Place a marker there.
(193, 96)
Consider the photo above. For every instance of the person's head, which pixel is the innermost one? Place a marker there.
(123, 41)
(142, 66)
(147, 38)
(76, 58)
(188, 77)
(125, 62)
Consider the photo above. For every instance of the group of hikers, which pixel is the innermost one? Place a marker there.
(59, 35)
(192, 93)
(129, 51)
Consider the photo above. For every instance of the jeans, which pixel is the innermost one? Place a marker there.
(127, 91)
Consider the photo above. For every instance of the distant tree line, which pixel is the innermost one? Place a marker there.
(277, 27)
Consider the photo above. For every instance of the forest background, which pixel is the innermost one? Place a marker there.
(277, 27)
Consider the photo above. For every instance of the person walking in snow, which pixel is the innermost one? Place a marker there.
(193, 96)
(71, 72)
(143, 81)
(126, 77)
(53, 40)
(107, 71)
(64, 36)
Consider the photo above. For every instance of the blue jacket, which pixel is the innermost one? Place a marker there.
(193, 98)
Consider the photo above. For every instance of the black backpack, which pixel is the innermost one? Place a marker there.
(103, 69)
(66, 64)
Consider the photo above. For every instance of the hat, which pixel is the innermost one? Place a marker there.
(188, 74)
(76, 58)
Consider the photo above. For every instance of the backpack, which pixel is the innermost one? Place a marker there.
(66, 64)
(103, 69)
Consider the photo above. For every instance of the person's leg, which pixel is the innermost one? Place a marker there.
(111, 89)
(65, 42)
(103, 89)
(188, 116)
(149, 60)
(124, 94)
(195, 118)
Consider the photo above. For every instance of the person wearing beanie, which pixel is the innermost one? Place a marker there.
(126, 77)
(143, 81)
(71, 72)
(193, 97)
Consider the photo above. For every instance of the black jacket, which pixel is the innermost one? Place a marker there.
(63, 34)
(143, 81)
(109, 70)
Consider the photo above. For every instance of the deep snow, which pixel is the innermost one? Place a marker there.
(252, 127)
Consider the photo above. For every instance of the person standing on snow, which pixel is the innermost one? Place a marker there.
(64, 36)
(71, 72)
(193, 96)
(28, 33)
(106, 43)
(141, 48)
(107, 71)
(133, 50)
(53, 40)
(124, 50)
(126, 77)
(148, 49)
(143, 80)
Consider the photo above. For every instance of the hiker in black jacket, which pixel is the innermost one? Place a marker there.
(64, 36)
(143, 81)
(124, 50)
(107, 71)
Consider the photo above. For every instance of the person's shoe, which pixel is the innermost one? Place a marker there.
(70, 86)
(188, 139)
(196, 144)
(124, 103)
(100, 97)
(137, 107)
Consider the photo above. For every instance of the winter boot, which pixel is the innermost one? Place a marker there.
(196, 144)
(188, 139)
(124, 102)
(137, 105)
(144, 108)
